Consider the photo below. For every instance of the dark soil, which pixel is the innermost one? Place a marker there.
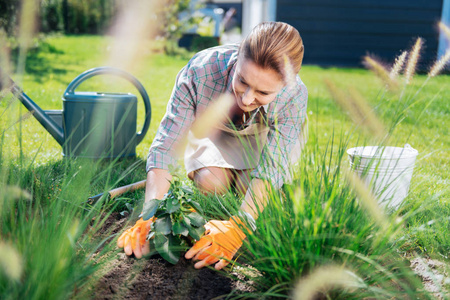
(154, 278)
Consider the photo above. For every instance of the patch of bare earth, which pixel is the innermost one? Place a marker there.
(155, 278)
(434, 275)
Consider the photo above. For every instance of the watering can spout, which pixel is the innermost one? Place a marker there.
(51, 126)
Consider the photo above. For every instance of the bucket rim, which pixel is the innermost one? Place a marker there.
(404, 152)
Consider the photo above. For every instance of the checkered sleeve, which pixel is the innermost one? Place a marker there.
(176, 122)
(284, 134)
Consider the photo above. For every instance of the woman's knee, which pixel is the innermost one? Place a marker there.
(212, 179)
(242, 180)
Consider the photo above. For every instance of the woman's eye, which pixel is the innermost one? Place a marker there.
(264, 93)
(242, 81)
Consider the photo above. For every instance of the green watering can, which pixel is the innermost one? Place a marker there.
(92, 124)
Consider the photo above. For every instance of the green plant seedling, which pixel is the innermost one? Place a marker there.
(178, 223)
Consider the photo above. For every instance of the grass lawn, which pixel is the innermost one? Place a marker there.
(425, 126)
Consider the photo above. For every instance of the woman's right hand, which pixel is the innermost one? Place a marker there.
(134, 240)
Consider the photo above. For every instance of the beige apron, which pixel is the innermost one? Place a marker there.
(228, 148)
(236, 149)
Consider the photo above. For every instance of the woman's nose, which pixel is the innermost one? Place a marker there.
(248, 97)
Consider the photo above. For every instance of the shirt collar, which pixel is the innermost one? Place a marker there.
(230, 79)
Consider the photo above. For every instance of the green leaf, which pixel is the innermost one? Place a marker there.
(195, 232)
(167, 195)
(187, 190)
(167, 247)
(163, 225)
(196, 219)
(150, 208)
(179, 228)
(195, 205)
(186, 221)
(172, 205)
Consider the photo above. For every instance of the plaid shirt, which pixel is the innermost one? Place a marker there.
(208, 75)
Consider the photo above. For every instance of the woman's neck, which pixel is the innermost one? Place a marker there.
(237, 115)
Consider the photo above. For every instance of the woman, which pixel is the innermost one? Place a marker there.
(254, 148)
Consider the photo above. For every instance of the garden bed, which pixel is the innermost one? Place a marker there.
(155, 278)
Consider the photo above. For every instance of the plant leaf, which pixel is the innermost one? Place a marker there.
(167, 195)
(196, 219)
(166, 247)
(129, 206)
(187, 190)
(195, 205)
(180, 228)
(172, 205)
(163, 225)
(186, 221)
(195, 232)
(150, 208)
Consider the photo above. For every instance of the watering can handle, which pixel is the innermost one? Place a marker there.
(114, 71)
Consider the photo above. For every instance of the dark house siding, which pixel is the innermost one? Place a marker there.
(341, 32)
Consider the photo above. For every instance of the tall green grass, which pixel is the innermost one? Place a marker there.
(45, 229)
(318, 221)
(47, 223)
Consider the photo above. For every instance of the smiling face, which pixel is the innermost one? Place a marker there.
(254, 86)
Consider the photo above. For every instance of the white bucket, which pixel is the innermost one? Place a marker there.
(387, 170)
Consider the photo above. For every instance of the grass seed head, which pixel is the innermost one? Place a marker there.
(367, 198)
(26, 116)
(131, 32)
(440, 64)
(16, 193)
(398, 65)
(215, 114)
(27, 22)
(298, 200)
(369, 119)
(357, 109)
(381, 72)
(445, 29)
(323, 279)
(4, 62)
(10, 261)
(412, 60)
(206, 124)
(289, 73)
(28, 18)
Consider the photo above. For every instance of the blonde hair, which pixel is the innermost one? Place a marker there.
(269, 43)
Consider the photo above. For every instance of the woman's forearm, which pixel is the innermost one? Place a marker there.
(256, 197)
(158, 183)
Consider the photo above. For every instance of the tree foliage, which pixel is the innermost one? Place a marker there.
(172, 17)
(8, 15)
(68, 16)
(176, 17)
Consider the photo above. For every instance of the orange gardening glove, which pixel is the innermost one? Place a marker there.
(221, 241)
(134, 240)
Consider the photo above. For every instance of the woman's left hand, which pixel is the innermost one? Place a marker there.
(221, 241)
